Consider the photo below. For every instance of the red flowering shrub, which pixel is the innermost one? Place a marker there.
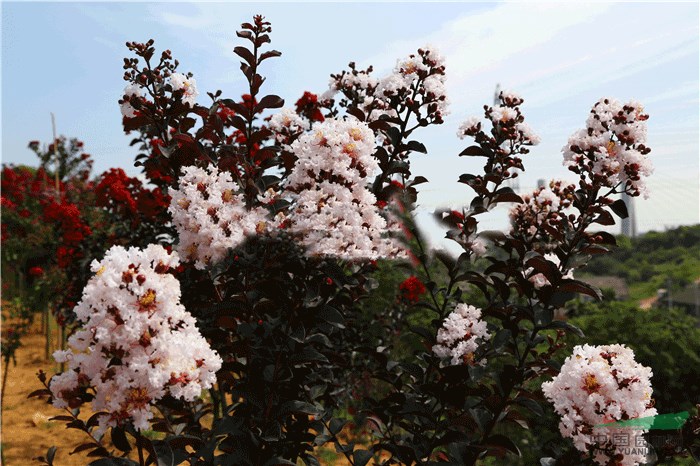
(411, 290)
(66, 217)
(126, 197)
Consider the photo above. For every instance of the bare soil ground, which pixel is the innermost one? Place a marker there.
(26, 429)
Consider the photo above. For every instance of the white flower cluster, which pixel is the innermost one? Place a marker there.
(131, 91)
(461, 334)
(426, 67)
(544, 205)
(334, 213)
(137, 343)
(188, 86)
(210, 217)
(611, 149)
(506, 116)
(597, 385)
(287, 124)
(540, 280)
(469, 127)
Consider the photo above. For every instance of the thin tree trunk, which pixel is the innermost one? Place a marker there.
(47, 346)
(63, 344)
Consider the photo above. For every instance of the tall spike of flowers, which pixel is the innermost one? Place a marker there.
(611, 150)
(137, 343)
(461, 334)
(597, 385)
(210, 216)
(335, 214)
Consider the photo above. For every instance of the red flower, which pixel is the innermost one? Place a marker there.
(6, 203)
(127, 197)
(64, 256)
(224, 112)
(67, 216)
(248, 101)
(411, 289)
(156, 144)
(36, 271)
(309, 107)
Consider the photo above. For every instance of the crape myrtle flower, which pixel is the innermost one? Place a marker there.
(611, 150)
(545, 206)
(137, 343)
(461, 334)
(187, 85)
(417, 81)
(598, 385)
(505, 118)
(287, 125)
(334, 213)
(131, 91)
(211, 216)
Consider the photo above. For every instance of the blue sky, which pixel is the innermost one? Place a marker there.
(562, 57)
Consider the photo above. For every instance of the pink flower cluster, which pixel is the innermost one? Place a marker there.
(210, 215)
(334, 212)
(137, 342)
(598, 385)
(611, 150)
(461, 334)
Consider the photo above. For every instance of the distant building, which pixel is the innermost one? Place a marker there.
(617, 285)
(687, 299)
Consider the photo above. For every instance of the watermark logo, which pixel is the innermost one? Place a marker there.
(629, 440)
(672, 421)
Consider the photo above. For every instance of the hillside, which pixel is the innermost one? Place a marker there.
(653, 260)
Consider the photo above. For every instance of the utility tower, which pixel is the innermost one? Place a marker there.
(629, 224)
